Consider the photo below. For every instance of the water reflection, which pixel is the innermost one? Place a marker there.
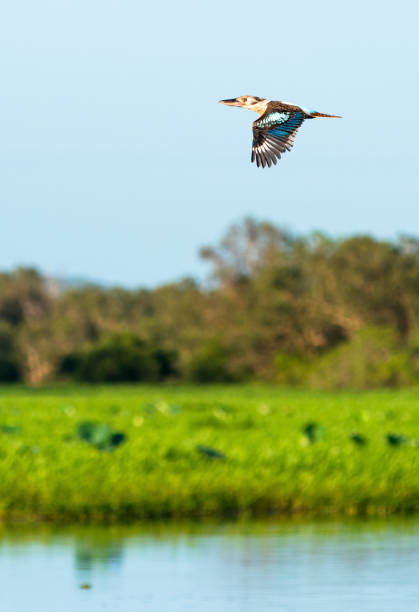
(91, 552)
(290, 566)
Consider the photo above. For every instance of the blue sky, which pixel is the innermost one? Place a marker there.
(117, 162)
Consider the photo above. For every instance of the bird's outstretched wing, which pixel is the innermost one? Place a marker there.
(273, 134)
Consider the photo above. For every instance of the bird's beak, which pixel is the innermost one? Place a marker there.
(231, 102)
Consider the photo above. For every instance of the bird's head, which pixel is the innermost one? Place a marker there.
(250, 102)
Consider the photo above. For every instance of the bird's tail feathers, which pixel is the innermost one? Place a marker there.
(316, 114)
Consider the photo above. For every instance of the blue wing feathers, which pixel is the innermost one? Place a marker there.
(273, 135)
(288, 126)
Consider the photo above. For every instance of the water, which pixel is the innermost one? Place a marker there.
(287, 567)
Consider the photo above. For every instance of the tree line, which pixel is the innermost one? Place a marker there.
(308, 310)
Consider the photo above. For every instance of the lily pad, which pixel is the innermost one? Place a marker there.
(358, 438)
(209, 452)
(314, 432)
(162, 408)
(100, 435)
(10, 429)
(394, 439)
(28, 449)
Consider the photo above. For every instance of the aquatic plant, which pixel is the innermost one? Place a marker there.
(129, 453)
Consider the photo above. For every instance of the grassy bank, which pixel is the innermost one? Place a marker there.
(192, 451)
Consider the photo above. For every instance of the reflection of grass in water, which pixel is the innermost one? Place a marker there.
(286, 452)
(104, 547)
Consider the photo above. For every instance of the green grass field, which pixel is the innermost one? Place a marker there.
(345, 463)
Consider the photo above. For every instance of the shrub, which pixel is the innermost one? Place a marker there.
(210, 364)
(9, 367)
(9, 371)
(120, 358)
(373, 358)
(70, 364)
(291, 369)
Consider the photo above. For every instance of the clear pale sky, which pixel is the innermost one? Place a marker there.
(117, 162)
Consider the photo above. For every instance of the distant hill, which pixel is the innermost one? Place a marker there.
(59, 284)
(74, 282)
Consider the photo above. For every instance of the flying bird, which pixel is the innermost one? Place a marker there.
(274, 131)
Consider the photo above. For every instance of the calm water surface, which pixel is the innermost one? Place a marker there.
(291, 567)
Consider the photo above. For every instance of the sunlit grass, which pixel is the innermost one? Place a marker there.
(278, 452)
